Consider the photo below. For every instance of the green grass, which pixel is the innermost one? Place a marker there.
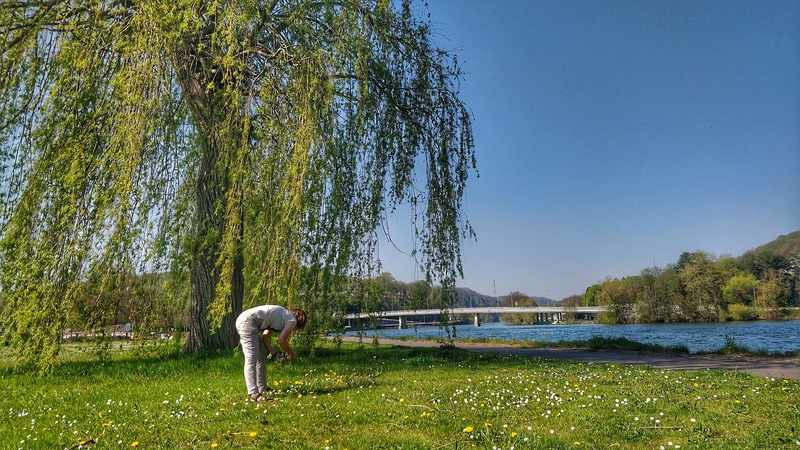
(390, 397)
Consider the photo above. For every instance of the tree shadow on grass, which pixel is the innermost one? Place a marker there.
(82, 360)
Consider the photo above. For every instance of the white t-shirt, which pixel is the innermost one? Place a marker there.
(271, 317)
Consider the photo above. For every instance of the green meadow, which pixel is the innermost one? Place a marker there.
(365, 397)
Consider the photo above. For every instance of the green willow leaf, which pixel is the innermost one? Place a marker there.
(214, 155)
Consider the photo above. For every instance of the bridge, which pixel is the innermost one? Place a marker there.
(544, 314)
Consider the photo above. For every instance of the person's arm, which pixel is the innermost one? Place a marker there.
(283, 340)
(267, 339)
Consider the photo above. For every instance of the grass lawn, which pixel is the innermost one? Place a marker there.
(390, 397)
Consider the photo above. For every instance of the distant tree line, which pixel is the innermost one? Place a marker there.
(153, 302)
(700, 287)
(517, 298)
(158, 302)
(385, 293)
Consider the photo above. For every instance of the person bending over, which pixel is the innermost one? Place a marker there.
(256, 327)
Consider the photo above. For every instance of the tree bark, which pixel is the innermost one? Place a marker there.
(208, 112)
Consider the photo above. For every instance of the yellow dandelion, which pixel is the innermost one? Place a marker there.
(135, 444)
(577, 443)
(402, 400)
(468, 430)
(299, 396)
(487, 425)
(214, 445)
(253, 434)
(513, 434)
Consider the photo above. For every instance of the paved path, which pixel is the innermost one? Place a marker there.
(762, 366)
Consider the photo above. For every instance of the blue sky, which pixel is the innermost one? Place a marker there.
(615, 135)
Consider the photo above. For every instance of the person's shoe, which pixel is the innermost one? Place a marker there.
(257, 397)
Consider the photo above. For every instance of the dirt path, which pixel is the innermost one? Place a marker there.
(761, 366)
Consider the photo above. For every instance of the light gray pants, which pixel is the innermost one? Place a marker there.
(255, 354)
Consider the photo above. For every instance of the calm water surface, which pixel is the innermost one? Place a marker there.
(699, 337)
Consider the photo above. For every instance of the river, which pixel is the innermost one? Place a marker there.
(698, 337)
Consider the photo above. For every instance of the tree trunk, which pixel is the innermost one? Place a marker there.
(212, 186)
(204, 276)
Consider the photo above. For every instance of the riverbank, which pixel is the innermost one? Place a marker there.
(765, 366)
(768, 338)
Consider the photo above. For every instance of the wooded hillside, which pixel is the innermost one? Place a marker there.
(785, 245)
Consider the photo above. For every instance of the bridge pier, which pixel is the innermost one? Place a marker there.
(477, 321)
(401, 322)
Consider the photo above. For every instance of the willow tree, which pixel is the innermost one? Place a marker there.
(255, 146)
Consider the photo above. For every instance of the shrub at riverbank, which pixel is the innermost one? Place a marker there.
(393, 397)
(593, 343)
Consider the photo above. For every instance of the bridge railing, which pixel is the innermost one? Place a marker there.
(482, 310)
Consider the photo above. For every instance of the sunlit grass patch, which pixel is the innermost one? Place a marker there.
(395, 397)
